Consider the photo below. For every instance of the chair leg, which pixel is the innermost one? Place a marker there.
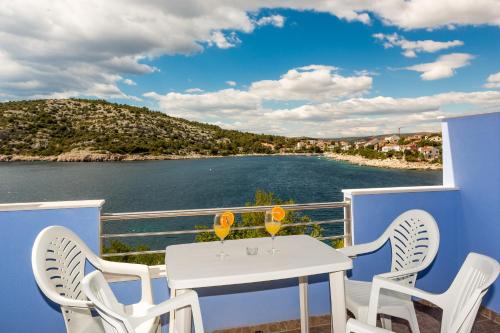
(413, 319)
(386, 322)
(361, 314)
(159, 326)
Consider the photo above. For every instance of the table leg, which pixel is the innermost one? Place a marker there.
(180, 320)
(171, 324)
(183, 321)
(337, 296)
(304, 306)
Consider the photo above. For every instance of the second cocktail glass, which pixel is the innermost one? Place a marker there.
(273, 227)
(222, 227)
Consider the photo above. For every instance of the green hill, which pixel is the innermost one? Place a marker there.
(42, 128)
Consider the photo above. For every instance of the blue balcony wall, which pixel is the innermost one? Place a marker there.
(372, 214)
(23, 307)
(473, 164)
(468, 218)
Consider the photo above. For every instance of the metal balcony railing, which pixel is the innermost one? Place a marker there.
(140, 216)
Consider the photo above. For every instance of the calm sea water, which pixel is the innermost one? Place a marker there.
(183, 184)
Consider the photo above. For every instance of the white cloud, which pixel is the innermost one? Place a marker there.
(47, 41)
(406, 14)
(222, 103)
(314, 82)
(385, 114)
(22, 85)
(231, 83)
(10, 67)
(129, 82)
(311, 83)
(383, 106)
(70, 47)
(328, 116)
(443, 67)
(127, 64)
(50, 81)
(365, 72)
(411, 48)
(377, 115)
(193, 90)
(275, 20)
(493, 81)
(433, 14)
(223, 41)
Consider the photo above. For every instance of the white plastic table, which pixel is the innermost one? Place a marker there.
(195, 265)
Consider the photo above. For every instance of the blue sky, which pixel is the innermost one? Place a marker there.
(317, 69)
(320, 38)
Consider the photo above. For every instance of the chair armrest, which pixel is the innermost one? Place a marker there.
(188, 298)
(355, 250)
(142, 271)
(355, 326)
(388, 284)
(402, 273)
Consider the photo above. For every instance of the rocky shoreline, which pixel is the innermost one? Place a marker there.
(392, 163)
(90, 156)
(85, 156)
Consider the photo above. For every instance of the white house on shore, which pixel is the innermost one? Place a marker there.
(409, 147)
(429, 152)
(345, 145)
(392, 139)
(359, 144)
(388, 148)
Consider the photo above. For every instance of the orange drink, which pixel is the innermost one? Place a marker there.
(228, 217)
(273, 227)
(273, 224)
(222, 227)
(221, 231)
(278, 213)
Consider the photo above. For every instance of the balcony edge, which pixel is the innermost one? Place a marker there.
(51, 205)
(405, 189)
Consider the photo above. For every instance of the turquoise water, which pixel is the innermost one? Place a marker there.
(183, 184)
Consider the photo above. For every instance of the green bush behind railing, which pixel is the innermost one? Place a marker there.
(262, 198)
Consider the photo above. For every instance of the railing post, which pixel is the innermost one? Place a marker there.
(347, 223)
(101, 240)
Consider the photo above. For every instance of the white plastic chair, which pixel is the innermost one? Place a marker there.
(414, 238)
(117, 320)
(460, 302)
(356, 326)
(58, 260)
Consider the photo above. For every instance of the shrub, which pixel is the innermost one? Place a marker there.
(262, 198)
(257, 219)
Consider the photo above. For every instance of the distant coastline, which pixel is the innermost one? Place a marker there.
(81, 130)
(89, 156)
(392, 163)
